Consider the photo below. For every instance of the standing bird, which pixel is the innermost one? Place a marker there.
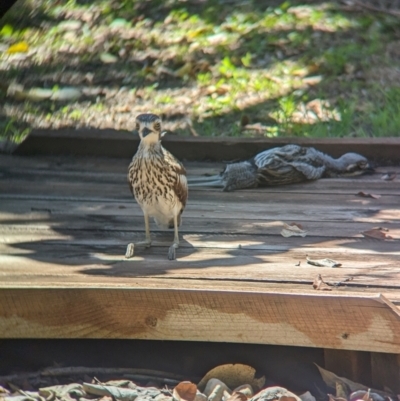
(157, 181)
(288, 164)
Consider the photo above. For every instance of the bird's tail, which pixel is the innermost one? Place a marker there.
(211, 181)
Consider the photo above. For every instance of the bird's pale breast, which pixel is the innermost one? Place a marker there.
(153, 183)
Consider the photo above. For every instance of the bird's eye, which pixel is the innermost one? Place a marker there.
(137, 126)
(157, 126)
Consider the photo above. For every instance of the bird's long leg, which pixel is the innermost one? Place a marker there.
(175, 244)
(130, 249)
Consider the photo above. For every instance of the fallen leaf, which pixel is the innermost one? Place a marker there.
(7, 30)
(319, 284)
(120, 23)
(69, 25)
(186, 69)
(237, 396)
(376, 233)
(117, 393)
(38, 94)
(323, 262)
(333, 398)
(342, 390)
(331, 379)
(185, 391)
(293, 229)
(66, 94)
(233, 375)
(368, 195)
(108, 58)
(216, 390)
(286, 398)
(20, 47)
(275, 393)
(389, 176)
(3, 390)
(307, 396)
(245, 389)
(366, 395)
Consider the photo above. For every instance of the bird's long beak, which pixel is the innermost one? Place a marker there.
(146, 131)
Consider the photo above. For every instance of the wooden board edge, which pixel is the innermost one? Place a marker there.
(113, 143)
(363, 323)
(390, 304)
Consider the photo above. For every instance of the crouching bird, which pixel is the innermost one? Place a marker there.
(288, 164)
(157, 181)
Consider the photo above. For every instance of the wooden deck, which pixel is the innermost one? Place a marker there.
(65, 223)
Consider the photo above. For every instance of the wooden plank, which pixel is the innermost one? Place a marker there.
(107, 177)
(359, 323)
(386, 371)
(24, 257)
(354, 365)
(210, 211)
(65, 224)
(118, 189)
(112, 143)
(44, 218)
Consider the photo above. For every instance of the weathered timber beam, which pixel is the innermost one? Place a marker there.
(112, 143)
(352, 322)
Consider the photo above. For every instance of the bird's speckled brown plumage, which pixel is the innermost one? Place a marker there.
(157, 179)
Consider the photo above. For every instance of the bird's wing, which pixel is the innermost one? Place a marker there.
(309, 171)
(273, 157)
(180, 184)
(130, 176)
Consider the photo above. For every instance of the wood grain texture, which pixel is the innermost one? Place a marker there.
(65, 223)
(358, 323)
(112, 143)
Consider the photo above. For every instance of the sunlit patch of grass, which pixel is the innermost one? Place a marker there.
(213, 62)
(384, 117)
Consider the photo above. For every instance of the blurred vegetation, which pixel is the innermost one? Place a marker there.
(209, 67)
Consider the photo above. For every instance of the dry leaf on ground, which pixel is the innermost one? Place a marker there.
(390, 176)
(319, 284)
(117, 393)
(237, 396)
(364, 395)
(245, 389)
(307, 396)
(323, 262)
(333, 398)
(293, 229)
(216, 390)
(377, 233)
(368, 195)
(233, 375)
(342, 390)
(331, 379)
(20, 47)
(3, 390)
(275, 393)
(185, 391)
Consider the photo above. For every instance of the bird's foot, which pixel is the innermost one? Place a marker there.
(130, 249)
(172, 251)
